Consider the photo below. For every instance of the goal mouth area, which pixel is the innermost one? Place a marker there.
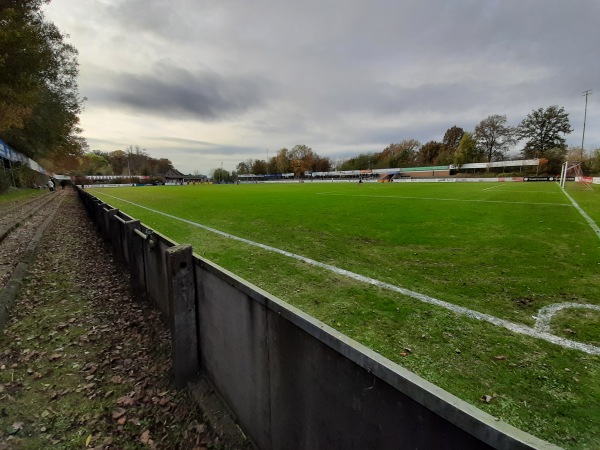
(572, 169)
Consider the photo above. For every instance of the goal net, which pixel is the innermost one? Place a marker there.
(572, 171)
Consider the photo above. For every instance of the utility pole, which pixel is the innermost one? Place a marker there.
(586, 93)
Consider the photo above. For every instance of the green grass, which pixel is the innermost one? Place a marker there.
(12, 195)
(505, 249)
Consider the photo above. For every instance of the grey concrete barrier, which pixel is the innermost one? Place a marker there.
(182, 305)
(289, 380)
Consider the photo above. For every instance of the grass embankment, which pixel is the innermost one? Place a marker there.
(11, 197)
(81, 364)
(503, 249)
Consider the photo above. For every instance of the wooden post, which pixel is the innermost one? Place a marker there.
(182, 305)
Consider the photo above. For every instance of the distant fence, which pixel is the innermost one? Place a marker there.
(289, 380)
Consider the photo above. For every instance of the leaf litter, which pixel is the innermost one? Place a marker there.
(83, 365)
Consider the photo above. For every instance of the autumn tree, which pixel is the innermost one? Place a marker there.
(39, 98)
(428, 153)
(302, 159)
(321, 164)
(495, 137)
(272, 165)
(221, 176)
(544, 130)
(163, 165)
(467, 151)
(244, 167)
(452, 137)
(594, 161)
(282, 161)
(363, 161)
(95, 163)
(259, 167)
(402, 154)
(450, 143)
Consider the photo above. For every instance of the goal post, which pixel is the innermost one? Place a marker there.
(573, 169)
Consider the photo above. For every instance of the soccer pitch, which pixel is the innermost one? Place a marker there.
(414, 270)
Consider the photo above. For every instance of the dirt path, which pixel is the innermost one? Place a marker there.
(82, 365)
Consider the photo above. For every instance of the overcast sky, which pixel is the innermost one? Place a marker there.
(205, 82)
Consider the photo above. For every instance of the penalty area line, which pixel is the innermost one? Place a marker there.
(514, 327)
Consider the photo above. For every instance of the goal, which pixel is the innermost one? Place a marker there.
(572, 169)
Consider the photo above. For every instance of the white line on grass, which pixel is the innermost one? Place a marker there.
(512, 191)
(493, 187)
(517, 328)
(544, 317)
(589, 220)
(444, 199)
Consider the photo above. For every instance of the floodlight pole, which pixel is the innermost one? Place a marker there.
(586, 93)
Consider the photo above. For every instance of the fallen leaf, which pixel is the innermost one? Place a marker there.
(126, 400)
(118, 413)
(500, 357)
(145, 437)
(88, 440)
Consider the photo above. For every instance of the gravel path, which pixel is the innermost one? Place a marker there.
(82, 365)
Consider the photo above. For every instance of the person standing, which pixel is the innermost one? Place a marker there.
(50, 184)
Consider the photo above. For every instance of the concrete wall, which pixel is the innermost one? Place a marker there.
(289, 380)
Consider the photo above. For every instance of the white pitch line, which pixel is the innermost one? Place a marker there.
(444, 199)
(544, 316)
(514, 327)
(494, 187)
(589, 220)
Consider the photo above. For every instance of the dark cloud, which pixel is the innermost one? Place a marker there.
(178, 93)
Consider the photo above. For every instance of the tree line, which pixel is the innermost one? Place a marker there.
(298, 160)
(133, 161)
(543, 132)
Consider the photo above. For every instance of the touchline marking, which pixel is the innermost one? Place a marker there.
(589, 220)
(514, 327)
(444, 199)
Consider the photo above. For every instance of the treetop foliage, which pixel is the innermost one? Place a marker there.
(494, 137)
(39, 97)
(133, 161)
(543, 129)
(299, 159)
